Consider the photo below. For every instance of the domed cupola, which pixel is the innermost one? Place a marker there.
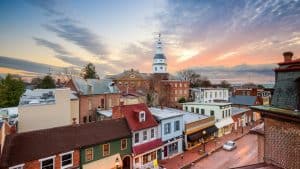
(159, 61)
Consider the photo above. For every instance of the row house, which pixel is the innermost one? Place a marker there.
(94, 94)
(221, 111)
(146, 140)
(263, 96)
(47, 108)
(68, 147)
(210, 95)
(171, 127)
(241, 117)
(281, 134)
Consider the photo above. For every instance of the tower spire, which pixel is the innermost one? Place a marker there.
(159, 61)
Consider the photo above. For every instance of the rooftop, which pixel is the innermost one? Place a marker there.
(164, 113)
(106, 113)
(209, 104)
(208, 88)
(243, 100)
(44, 143)
(237, 110)
(277, 110)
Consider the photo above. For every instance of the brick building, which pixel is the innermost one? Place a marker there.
(60, 147)
(282, 117)
(94, 94)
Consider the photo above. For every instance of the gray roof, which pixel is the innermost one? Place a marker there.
(159, 56)
(165, 113)
(243, 100)
(236, 110)
(103, 86)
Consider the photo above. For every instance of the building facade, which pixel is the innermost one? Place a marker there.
(146, 140)
(282, 117)
(221, 111)
(47, 108)
(171, 127)
(94, 94)
(210, 95)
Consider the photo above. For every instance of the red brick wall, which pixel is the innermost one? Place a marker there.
(282, 143)
(36, 163)
(177, 90)
(96, 101)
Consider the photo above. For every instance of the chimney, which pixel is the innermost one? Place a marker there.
(287, 56)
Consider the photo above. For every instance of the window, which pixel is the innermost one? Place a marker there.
(205, 94)
(149, 157)
(192, 109)
(223, 114)
(145, 135)
(155, 68)
(152, 133)
(89, 154)
(136, 160)
(84, 119)
(142, 116)
(47, 163)
(177, 125)
(17, 167)
(216, 94)
(136, 137)
(167, 128)
(202, 111)
(90, 118)
(186, 108)
(120, 83)
(106, 149)
(197, 110)
(66, 160)
(212, 113)
(123, 144)
(226, 113)
(102, 103)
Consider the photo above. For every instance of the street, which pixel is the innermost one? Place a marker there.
(245, 153)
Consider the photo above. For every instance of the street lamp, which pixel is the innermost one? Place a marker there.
(203, 141)
(117, 163)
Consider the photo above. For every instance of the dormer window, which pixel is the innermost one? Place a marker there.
(142, 116)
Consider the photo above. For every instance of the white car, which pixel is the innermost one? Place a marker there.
(229, 145)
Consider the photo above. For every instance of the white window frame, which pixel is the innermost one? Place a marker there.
(142, 119)
(47, 158)
(17, 166)
(67, 166)
(153, 133)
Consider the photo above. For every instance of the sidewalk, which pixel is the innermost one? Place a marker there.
(194, 155)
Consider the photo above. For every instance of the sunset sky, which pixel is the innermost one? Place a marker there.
(236, 40)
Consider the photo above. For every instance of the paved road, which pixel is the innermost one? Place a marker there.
(245, 153)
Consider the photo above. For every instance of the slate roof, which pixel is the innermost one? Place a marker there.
(102, 86)
(237, 110)
(28, 146)
(243, 100)
(131, 113)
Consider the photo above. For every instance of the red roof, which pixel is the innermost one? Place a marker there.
(147, 146)
(131, 113)
(289, 62)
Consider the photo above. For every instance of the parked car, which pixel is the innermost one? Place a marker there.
(229, 145)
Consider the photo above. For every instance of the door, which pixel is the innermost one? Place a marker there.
(166, 151)
(126, 162)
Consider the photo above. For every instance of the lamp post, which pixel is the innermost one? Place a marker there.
(117, 163)
(203, 141)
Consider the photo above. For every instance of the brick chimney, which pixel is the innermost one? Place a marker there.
(287, 56)
(117, 111)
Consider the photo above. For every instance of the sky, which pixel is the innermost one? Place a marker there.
(239, 41)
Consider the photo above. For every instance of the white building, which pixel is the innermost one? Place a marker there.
(221, 111)
(159, 61)
(171, 127)
(210, 95)
(47, 108)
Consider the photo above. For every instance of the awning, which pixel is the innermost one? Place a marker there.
(200, 134)
(139, 149)
(105, 163)
(224, 122)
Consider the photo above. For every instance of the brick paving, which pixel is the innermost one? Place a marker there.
(196, 154)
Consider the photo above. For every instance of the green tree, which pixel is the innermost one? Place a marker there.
(182, 100)
(47, 83)
(225, 84)
(89, 72)
(11, 90)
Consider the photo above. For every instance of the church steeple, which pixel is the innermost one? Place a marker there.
(159, 61)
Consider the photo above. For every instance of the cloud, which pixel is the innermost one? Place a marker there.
(49, 6)
(54, 46)
(231, 29)
(241, 73)
(83, 37)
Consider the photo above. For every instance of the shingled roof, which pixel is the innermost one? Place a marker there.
(131, 113)
(23, 147)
